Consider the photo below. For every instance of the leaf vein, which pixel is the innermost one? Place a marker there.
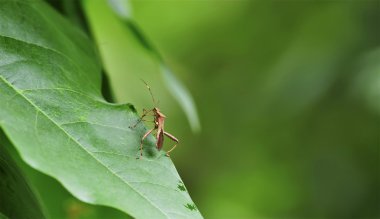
(81, 146)
(124, 155)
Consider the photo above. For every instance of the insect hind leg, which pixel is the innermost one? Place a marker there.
(173, 139)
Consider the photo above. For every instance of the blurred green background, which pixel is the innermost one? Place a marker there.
(288, 94)
(289, 98)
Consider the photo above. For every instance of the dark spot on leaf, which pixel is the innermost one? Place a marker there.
(191, 207)
(181, 186)
(150, 152)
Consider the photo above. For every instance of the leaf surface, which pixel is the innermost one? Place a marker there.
(52, 110)
(17, 200)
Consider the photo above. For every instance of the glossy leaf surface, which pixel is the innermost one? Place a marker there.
(53, 112)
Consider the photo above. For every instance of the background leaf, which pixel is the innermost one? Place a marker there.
(53, 112)
(3, 216)
(99, 17)
(17, 200)
(302, 136)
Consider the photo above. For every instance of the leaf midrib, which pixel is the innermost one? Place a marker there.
(78, 143)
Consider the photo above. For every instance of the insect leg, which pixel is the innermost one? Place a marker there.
(145, 113)
(172, 138)
(142, 140)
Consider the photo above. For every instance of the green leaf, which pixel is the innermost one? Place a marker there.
(3, 216)
(58, 203)
(52, 110)
(176, 88)
(17, 199)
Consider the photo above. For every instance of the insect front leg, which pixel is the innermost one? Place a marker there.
(173, 139)
(142, 140)
(145, 113)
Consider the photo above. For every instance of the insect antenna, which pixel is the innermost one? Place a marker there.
(151, 94)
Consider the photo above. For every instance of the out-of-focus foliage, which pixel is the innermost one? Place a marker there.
(288, 92)
(3, 216)
(17, 200)
(125, 49)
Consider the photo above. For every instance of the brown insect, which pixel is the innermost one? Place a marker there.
(159, 121)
